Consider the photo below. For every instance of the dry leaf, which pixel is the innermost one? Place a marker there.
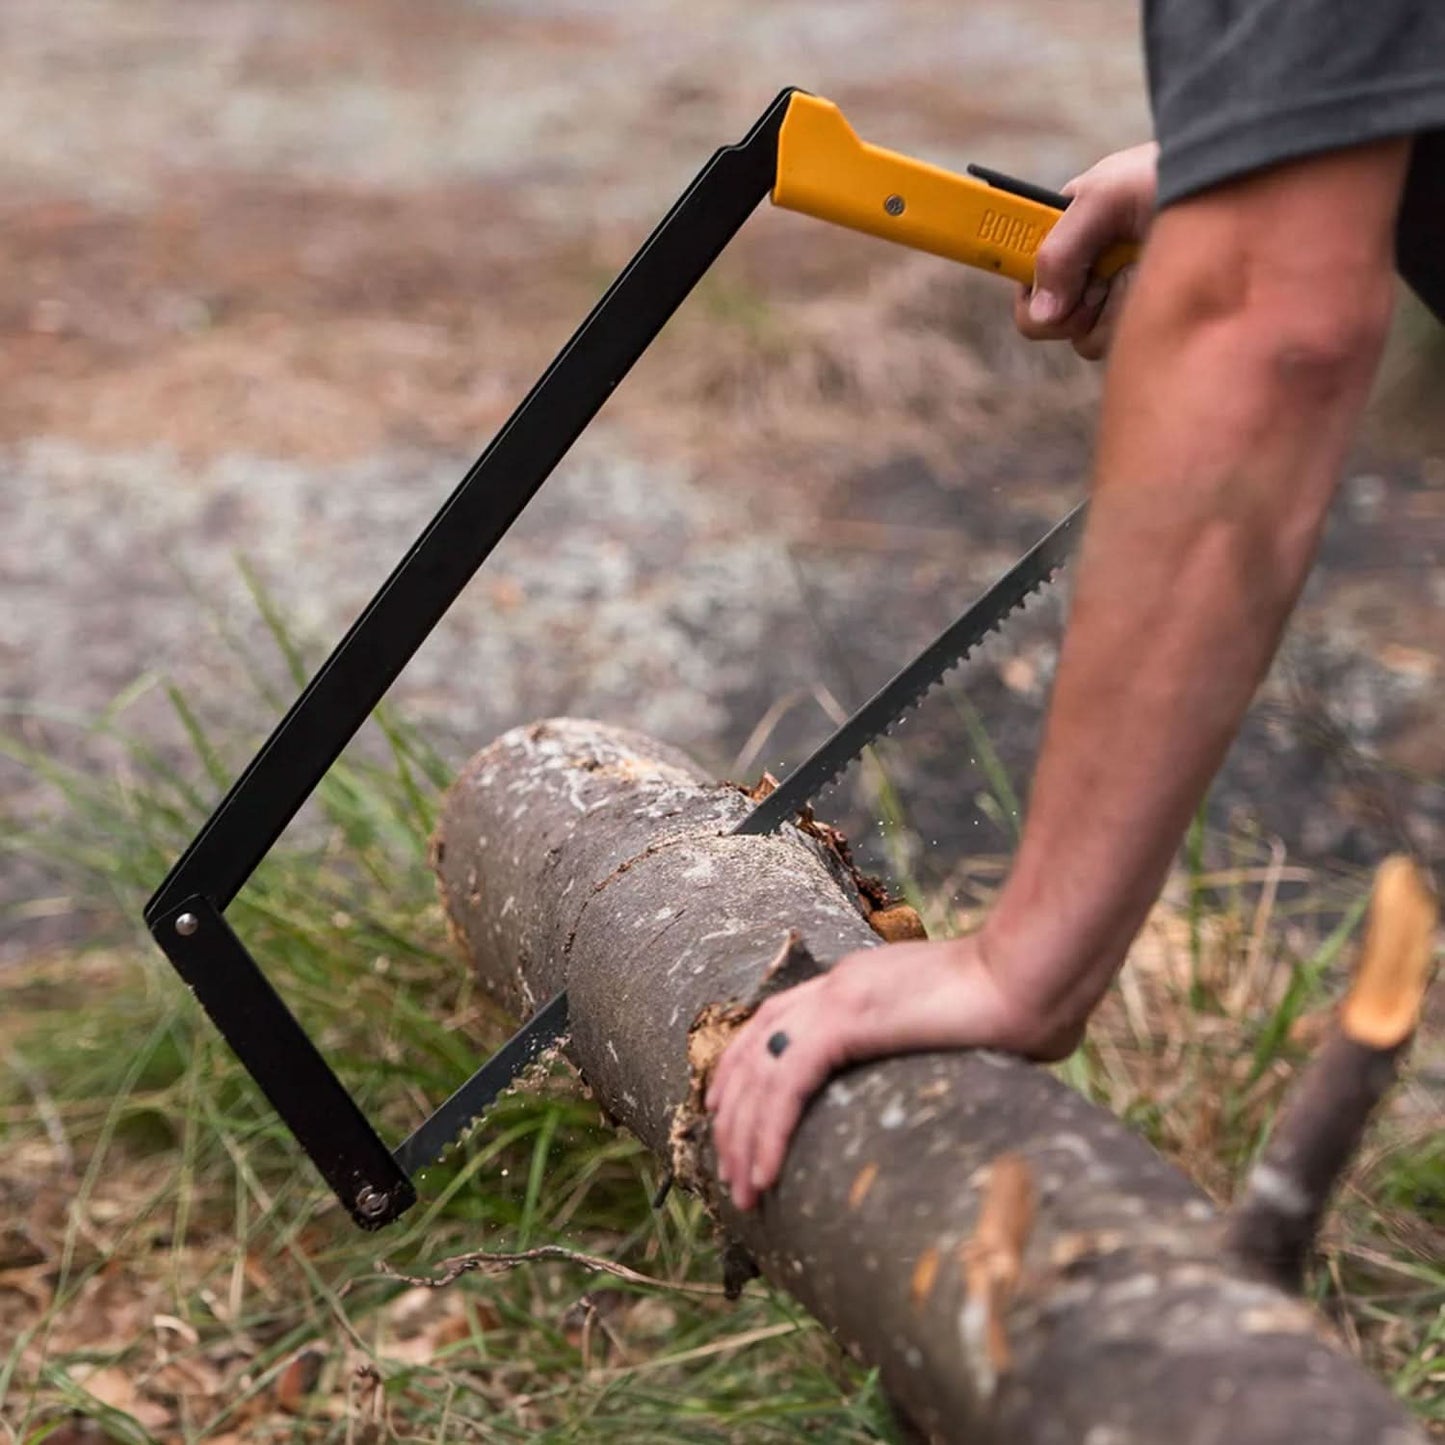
(452, 1331)
(298, 1379)
(109, 1384)
(17, 1249)
(187, 1377)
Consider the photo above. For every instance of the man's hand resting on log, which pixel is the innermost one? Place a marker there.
(891, 1000)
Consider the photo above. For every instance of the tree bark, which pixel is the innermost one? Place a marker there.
(1017, 1263)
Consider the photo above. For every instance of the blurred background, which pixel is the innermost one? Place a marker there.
(271, 274)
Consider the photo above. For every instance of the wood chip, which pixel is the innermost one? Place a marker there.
(861, 1185)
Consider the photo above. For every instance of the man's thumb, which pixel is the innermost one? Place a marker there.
(1061, 265)
(1046, 307)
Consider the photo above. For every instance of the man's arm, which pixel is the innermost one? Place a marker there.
(1240, 368)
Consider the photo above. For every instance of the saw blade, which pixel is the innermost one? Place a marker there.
(447, 1126)
(896, 698)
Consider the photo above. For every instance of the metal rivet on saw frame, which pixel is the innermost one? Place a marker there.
(187, 924)
(894, 205)
(371, 1202)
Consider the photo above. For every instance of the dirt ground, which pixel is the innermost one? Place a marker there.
(272, 273)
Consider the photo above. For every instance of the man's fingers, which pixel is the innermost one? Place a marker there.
(724, 1068)
(734, 1094)
(1099, 216)
(763, 1096)
(1064, 259)
(1095, 333)
(762, 1084)
(1112, 201)
(746, 1100)
(732, 1055)
(760, 1092)
(775, 1127)
(772, 1093)
(725, 1100)
(1029, 328)
(1090, 326)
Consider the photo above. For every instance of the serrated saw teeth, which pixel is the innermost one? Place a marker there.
(896, 699)
(535, 1042)
(522, 1080)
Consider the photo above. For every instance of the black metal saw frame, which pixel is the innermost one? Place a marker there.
(986, 220)
(186, 915)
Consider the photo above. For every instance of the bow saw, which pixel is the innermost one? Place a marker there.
(804, 155)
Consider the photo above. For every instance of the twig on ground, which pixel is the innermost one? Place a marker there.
(490, 1262)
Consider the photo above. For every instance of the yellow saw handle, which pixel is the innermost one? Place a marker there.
(826, 171)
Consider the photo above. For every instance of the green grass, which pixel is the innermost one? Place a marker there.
(171, 1253)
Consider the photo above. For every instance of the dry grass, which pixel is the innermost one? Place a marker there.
(915, 359)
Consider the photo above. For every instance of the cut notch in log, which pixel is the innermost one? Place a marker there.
(1273, 1226)
(576, 855)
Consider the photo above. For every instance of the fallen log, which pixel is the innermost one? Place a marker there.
(1018, 1264)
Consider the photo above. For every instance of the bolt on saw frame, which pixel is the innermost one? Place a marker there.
(802, 153)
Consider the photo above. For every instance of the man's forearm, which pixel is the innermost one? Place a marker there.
(1227, 415)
